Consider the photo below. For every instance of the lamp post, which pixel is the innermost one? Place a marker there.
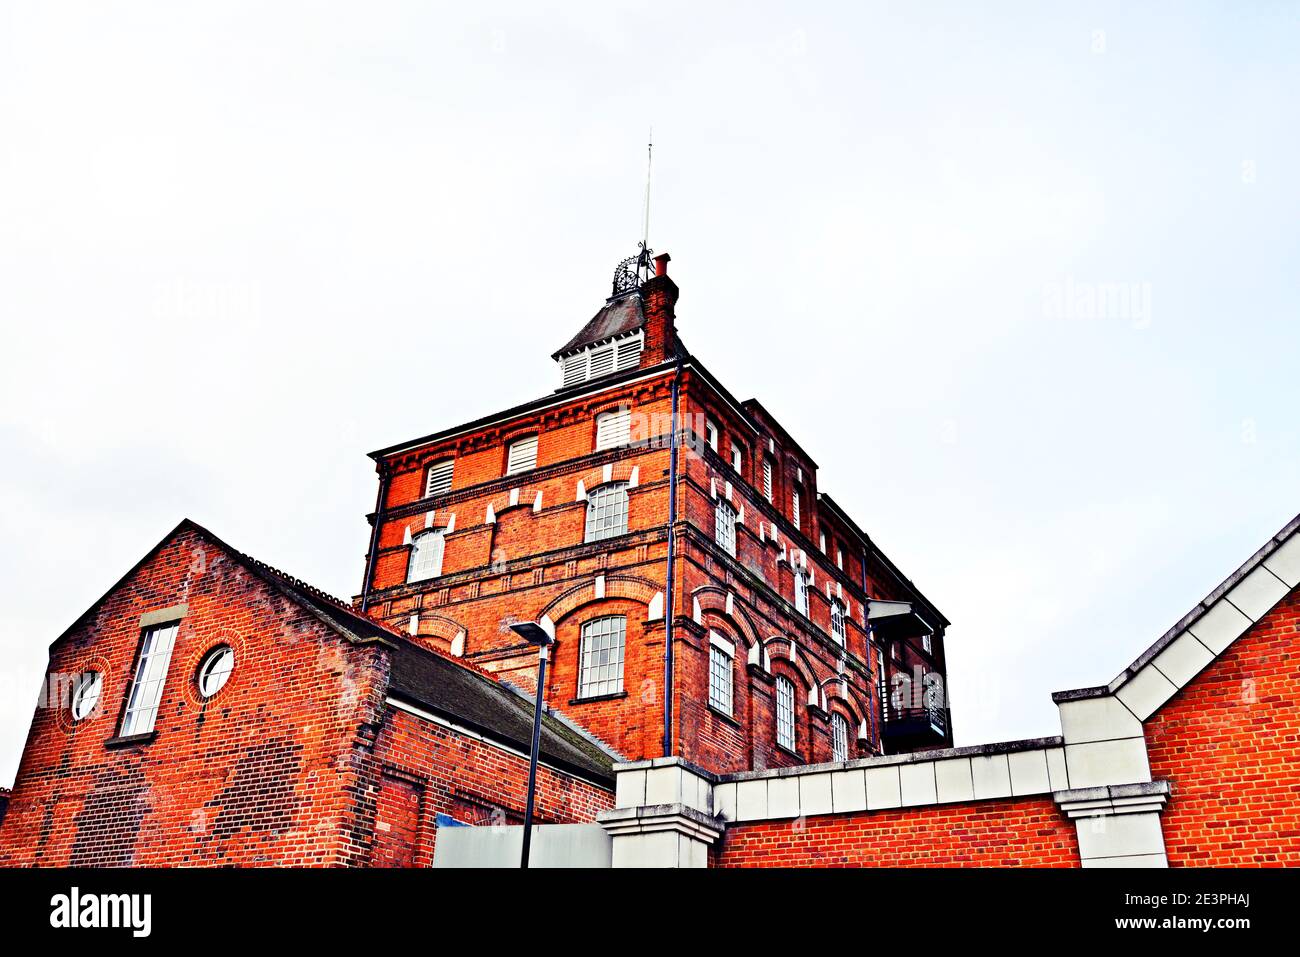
(534, 634)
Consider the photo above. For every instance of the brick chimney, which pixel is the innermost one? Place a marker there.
(659, 301)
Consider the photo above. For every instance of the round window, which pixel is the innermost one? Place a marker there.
(86, 695)
(215, 670)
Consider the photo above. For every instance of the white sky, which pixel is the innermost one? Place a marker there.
(242, 246)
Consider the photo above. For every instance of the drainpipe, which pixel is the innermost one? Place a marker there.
(669, 585)
(374, 539)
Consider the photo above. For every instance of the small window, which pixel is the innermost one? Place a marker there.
(711, 434)
(426, 557)
(724, 526)
(85, 696)
(895, 651)
(928, 644)
(767, 479)
(438, 481)
(522, 456)
(839, 737)
(215, 670)
(839, 559)
(821, 541)
(800, 592)
(737, 459)
(721, 678)
(838, 630)
(613, 429)
(794, 509)
(150, 677)
(602, 657)
(785, 712)
(607, 512)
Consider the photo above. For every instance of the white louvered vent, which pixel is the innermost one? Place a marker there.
(439, 479)
(523, 456)
(767, 479)
(613, 429)
(599, 360)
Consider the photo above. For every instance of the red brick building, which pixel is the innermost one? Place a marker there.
(741, 677)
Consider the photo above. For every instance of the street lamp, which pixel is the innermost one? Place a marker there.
(533, 633)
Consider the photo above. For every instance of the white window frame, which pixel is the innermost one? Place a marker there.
(601, 655)
(785, 723)
(521, 455)
(927, 642)
(420, 566)
(606, 512)
(839, 737)
(800, 592)
(737, 460)
(724, 526)
(215, 670)
(86, 694)
(150, 679)
(435, 481)
(711, 434)
(722, 674)
(839, 628)
(613, 428)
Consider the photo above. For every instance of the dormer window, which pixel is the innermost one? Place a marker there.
(603, 358)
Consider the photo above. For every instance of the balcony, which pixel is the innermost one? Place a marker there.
(913, 729)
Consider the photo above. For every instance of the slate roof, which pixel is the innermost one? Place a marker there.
(475, 701)
(617, 317)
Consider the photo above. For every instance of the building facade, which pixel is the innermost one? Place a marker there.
(776, 634)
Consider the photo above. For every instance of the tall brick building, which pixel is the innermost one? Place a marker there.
(786, 620)
(741, 677)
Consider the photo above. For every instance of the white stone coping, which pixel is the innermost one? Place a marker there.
(653, 818)
(1115, 799)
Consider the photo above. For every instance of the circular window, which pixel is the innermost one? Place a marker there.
(215, 670)
(86, 695)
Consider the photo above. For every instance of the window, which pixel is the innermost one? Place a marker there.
(215, 670)
(438, 481)
(150, 676)
(602, 657)
(711, 434)
(895, 651)
(794, 509)
(522, 456)
(85, 696)
(603, 359)
(724, 526)
(821, 541)
(607, 511)
(785, 712)
(426, 557)
(800, 592)
(839, 737)
(737, 458)
(613, 429)
(839, 559)
(928, 644)
(721, 674)
(767, 479)
(838, 631)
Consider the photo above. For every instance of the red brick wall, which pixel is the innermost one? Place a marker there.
(462, 776)
(262, 773)
(1024, 832)
(1230, 743)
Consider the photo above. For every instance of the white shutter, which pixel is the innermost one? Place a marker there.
(613, 429)
(629, 352)
(523, 456)
(767, 479)
(794, 508)
(602, 361)
(439, 480)
(575, 369)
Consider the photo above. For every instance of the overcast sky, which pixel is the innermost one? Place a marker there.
(1023, 281)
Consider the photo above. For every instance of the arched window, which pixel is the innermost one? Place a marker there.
(722, 656)
(838, 630)
(426, 557)
(800, 591)
(724, 527)
(839, 737)
(607, 511)
(600, 668)
(785, 712)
